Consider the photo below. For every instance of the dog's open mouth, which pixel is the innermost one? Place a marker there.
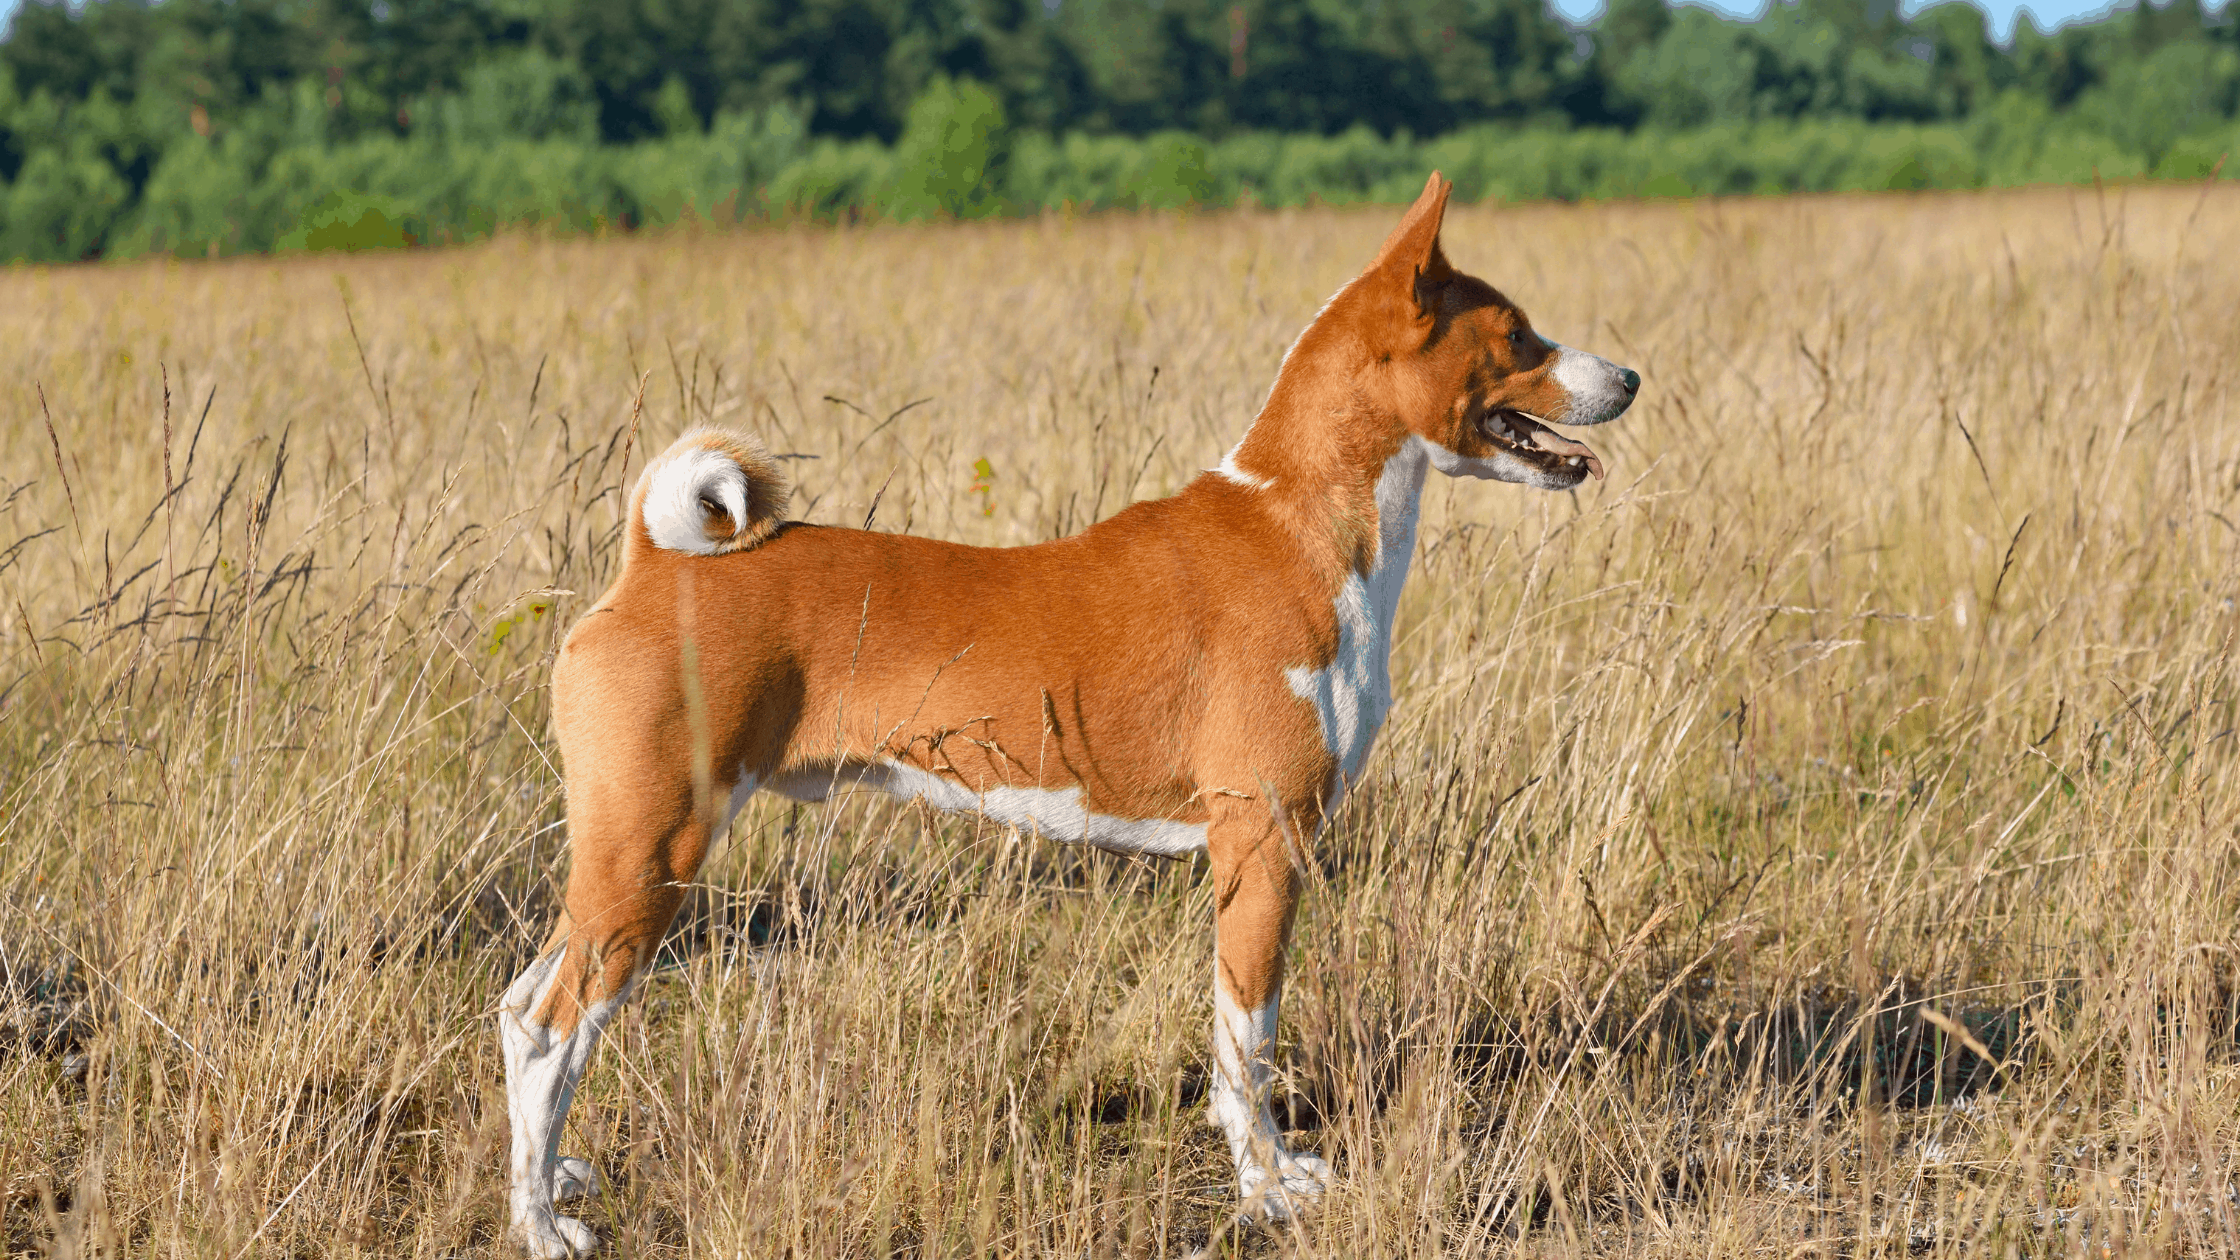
(1535, 443)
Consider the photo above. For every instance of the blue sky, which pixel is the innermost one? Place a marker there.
(2048, 13)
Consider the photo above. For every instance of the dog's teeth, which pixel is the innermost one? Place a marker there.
(1573, 460)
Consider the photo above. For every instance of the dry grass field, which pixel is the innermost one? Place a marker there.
(1822, 838)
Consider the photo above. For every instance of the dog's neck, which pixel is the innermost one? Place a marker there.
(1333, 463)
(1354, 522)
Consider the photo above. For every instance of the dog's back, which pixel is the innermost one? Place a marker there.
(1046, 668)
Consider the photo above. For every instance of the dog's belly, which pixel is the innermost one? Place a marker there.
(1056, 813)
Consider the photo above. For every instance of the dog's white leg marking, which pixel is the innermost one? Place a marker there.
(1273, 1181)
(542, 1069)
(573, 1178)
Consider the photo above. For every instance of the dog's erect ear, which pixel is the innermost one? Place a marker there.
(1411, 255)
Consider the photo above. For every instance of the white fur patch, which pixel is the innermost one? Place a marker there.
(542, 1070)
(1352, 694)
(1595, 384)
(1237, 1101)
(1273, 1180)
(1501, 467)
(1228, 469)
(675, 485)
(1058, 815)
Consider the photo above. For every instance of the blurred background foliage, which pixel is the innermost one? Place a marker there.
(208, 127)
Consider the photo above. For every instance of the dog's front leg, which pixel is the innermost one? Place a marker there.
(548, 1030)
(1255, 890)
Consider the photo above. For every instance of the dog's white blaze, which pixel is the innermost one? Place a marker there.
(1353, 693)
(1058, 814)
(674, 487)
(1593, 383)
(542, 1069)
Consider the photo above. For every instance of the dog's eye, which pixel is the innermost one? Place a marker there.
(1516, 337)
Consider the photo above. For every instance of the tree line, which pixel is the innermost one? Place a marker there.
(235, 118)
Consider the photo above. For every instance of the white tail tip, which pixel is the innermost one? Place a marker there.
(712, 492)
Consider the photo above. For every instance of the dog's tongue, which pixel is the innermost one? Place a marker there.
(1548, 439)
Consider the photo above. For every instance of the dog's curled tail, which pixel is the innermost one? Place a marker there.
(712, 492)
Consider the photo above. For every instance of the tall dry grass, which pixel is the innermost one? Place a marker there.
(1819, 839)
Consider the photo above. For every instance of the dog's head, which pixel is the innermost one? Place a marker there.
(1463, 368)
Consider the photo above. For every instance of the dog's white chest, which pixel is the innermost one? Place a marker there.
(1352, 694)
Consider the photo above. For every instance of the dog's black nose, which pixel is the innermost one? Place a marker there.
(1630, 379)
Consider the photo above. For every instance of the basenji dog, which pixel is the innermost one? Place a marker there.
(1202, 673)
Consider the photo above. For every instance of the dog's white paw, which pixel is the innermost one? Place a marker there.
(574, 1179)
(550, 1237)
(1291, 1190)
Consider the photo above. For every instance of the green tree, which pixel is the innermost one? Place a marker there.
(2146, 105)
(522, 93)
(61, 205)
(1966, 68)
(949, 162)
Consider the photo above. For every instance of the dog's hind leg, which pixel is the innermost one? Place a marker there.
(1255, 888)
(545, 1057)
(625, 883)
